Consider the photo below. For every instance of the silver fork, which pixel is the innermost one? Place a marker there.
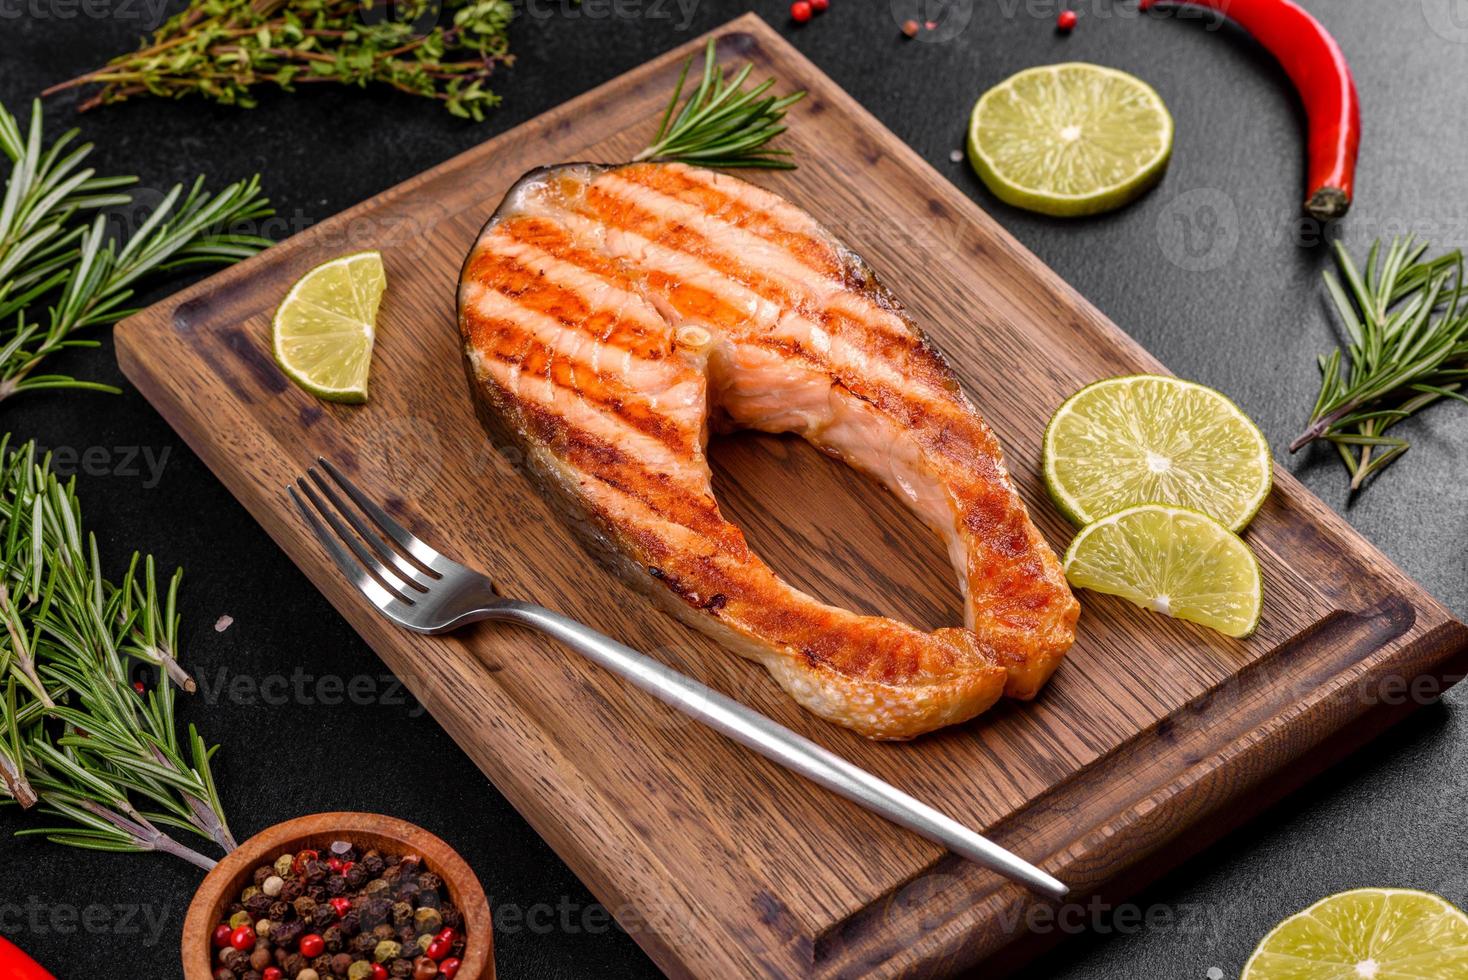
(421, 590)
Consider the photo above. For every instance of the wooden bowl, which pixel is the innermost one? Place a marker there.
(366, 831)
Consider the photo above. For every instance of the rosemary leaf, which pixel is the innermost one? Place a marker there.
(61, 271)
(75, 735)
(722, 124)
(1406, 325)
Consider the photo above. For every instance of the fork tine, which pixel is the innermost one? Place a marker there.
(419, 577)
(389, 579)
(390, 527)
(389, 602)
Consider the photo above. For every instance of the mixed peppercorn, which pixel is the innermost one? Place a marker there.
(367, 916)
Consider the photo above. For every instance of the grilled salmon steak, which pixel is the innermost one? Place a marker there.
(612, 315)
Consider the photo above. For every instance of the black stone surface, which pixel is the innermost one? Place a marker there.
(1209, 272)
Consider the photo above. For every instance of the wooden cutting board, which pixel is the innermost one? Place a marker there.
(1153, 738)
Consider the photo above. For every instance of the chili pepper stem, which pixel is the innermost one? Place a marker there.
(1328, 204)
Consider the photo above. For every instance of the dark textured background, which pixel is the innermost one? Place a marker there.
(1209, 271)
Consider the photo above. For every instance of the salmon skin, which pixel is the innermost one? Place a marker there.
(613, 315)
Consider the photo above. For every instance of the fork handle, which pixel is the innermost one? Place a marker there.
(778, 743)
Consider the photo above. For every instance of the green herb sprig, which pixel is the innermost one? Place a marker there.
(225, 49)
(721, 125)
(62, 270)
(75, 735)
(1406, 319)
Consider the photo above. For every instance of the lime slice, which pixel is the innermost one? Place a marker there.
(1380, 933)
(1152, 439)
(1071, 139)
(325, 326)
(1173, 561)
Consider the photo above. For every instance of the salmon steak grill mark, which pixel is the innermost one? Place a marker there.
(613, 316)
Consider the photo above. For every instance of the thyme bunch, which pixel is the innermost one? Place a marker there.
(61, 268)
(445, 50)
(76, 735)
(1406, 321)
(721, 124)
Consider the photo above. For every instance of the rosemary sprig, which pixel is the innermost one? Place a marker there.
(224, 49)
(1406, 319)
(60, 274)
(94, 750)
(721, 125)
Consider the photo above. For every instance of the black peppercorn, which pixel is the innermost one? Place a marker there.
(287, 933)
(259, 906)
(351, 924)
(427, 900)
(261, 873)
(364, 944)
(279, 911)
(293, 889)
(324, 916)
(332, 937)
(402, 913)
(372, 863)
(356, 876)
(451, 916)
(400, 969)
(336, 886)
(429, 881)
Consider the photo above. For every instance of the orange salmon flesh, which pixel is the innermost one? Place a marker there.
(613, 315)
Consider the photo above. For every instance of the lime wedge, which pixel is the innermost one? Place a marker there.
(325, 326)
(1070, 139)
(1173, 561)
(1367, 934)
(1153, 439)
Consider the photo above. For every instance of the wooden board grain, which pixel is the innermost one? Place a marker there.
(1153, 738)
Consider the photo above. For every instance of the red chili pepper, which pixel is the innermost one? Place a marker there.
(379, 972)
(222, 932)
(800, 11)
(1317, 67)
(449, 968)
(312, 946)
(15, 965)
(243, 939)
(1066, 22)
(342, 906)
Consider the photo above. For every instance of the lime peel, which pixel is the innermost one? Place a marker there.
(1071, 139)
(1150, 438)
(1171, 560)
(323, 331)
(1366, 932)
